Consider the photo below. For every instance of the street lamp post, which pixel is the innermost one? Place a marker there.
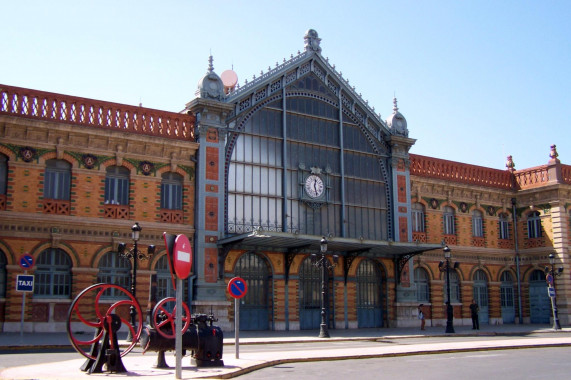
(135, 255)
(449, 310)
(324, 264)
(551, 273)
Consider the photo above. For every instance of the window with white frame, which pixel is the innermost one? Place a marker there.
(57, 180)
(534, 225)
(171, 191)
(448, 219)
(477, 224)
(117, 185)
(53, 274)
(422, 288)
(454, 287)
(504, 226)
(114, 269)
(417, 217)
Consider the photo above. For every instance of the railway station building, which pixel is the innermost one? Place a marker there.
(257, 176)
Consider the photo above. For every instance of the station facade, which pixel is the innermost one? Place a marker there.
(256, 176)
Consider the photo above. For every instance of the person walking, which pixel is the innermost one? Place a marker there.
(474, 309)
(421, 316)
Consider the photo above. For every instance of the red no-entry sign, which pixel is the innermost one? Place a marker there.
(237, 287)
(182, 259)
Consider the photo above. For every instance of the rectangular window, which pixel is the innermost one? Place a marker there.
(417, 221)
(504, 229)
(57, 185)
(477, 227)
(449, 224)
(171, 196)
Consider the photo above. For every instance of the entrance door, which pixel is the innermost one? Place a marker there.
(369, 312)
(481, 294)
(254, 313)
(507, 297)
(539, 302)
(309, 296)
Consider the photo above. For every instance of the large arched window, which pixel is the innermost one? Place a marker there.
(3, 263)
(477, 224)
(448, 220)
(254, 306)
(117, 185)
(53, 274)
(3, 180)
(57, 180)
(417, 217)
(302, 165)
(534, 225)
(422, 285)
(454, 287)
(164, 280)
(113, 269)
(171, 191)
(504, 226)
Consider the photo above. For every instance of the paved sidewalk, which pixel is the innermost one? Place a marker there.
(142, 365)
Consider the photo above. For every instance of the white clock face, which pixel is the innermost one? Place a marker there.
(314, 186)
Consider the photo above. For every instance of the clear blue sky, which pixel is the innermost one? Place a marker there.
(476, 80)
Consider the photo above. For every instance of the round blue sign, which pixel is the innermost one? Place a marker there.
(237, 287)
(26, 261)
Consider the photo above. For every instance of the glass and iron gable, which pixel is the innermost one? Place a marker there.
(303, 165)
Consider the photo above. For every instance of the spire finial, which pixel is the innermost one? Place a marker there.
(210, 67)
(510, 165)
(395, 108)
(553, 154)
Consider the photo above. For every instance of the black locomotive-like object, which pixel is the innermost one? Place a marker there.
(104, 308)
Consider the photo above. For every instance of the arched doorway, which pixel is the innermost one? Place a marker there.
(254, 306)
(539, 302)
(507, 297)
(481, 294)
(309, 296)
(369, 310)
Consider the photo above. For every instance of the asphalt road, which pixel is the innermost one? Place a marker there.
(518, 364)
(20, 357)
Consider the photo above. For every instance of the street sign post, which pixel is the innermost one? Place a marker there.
(237, 288)
(549, 279)
(25, 283)
(551, 291)
(182, 263)
(26, 261)
(182, 259)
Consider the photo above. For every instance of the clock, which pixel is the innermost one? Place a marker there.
(314, 186)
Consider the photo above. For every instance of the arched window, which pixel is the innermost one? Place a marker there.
(422, 285)
(506, 291)
(504, 226)
(417, 217)
(477, 224)
(534, 225)
(113, 269)
(448, 220)
(454, 287)
(3, 173)
(164, 281)
(53, 274)
(254, 306)
(57, 180)
(117, 185)
(3, 277)
(171, 191)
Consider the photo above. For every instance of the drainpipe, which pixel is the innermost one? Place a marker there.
(517, 261)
